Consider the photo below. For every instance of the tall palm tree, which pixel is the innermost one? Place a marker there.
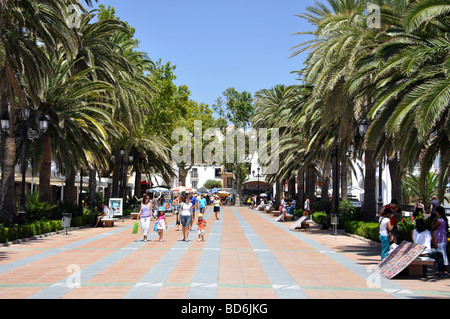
(24, 26)
(413, 90)
(340, 39)
(276, 108)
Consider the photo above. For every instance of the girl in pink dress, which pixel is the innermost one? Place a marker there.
(161, 218)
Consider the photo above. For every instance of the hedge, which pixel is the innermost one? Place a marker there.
(13, 232)
(320, 217)
(363, 229)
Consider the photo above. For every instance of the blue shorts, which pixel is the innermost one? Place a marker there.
(185, 220)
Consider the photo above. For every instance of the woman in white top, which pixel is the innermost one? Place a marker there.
(421, 235)
(185, 216)
(385, 228)
(307, 209)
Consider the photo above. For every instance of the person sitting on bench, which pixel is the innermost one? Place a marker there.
(262, 205)
(105, 213)
(421, 235)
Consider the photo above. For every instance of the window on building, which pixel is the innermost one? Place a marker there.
(194, 184)
(218, 172)
(194, 172)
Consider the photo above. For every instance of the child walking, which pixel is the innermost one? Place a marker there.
(201, 224)
(161, 220)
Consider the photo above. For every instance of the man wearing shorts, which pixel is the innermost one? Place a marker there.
(202, 204)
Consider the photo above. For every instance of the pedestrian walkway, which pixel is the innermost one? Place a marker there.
(246, 255)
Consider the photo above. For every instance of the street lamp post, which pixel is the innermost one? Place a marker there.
(26, 133)
(257, 176)
(122, 153)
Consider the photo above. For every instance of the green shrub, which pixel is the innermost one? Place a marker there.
(12, 233)
(405, 227)
(3, 234)
(352, 226)
(363, 229)
(369, 230)
(85, 219)
(37, 210)
(320, 217)
(56, 225)
(347, 212)
(298, 212)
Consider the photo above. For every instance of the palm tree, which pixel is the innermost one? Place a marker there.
(24, 25)
(413, 89)
(340, 39)
(277, 108)
(80, 122)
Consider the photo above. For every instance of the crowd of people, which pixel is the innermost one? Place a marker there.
(431, 227)
(286, 206)
(185, 208)
(431, 231)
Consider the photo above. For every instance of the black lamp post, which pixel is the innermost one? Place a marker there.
(122, 153)
(26, 133)
(257, 176)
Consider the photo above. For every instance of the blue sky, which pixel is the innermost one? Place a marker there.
(214, 44)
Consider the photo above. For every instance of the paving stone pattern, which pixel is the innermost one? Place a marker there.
(246, 255)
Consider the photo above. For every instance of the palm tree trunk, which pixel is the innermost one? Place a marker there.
(370, 203)
(71, 194)
(92, 186)
(7, 157)
(278, 191)
(301, 188)
(137, 180)
(395, 173)
(7, 195)
(336, 179)
(124, 181)
(116, 174)
(45, 172)
(291, 188)
(182, 174)
(344, 179)
(311, 182)
(238, 190)
(325, 180)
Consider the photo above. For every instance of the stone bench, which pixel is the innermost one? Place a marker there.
(416, 267)
(108, 222)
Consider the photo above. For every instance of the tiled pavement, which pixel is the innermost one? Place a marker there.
(246, 255)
